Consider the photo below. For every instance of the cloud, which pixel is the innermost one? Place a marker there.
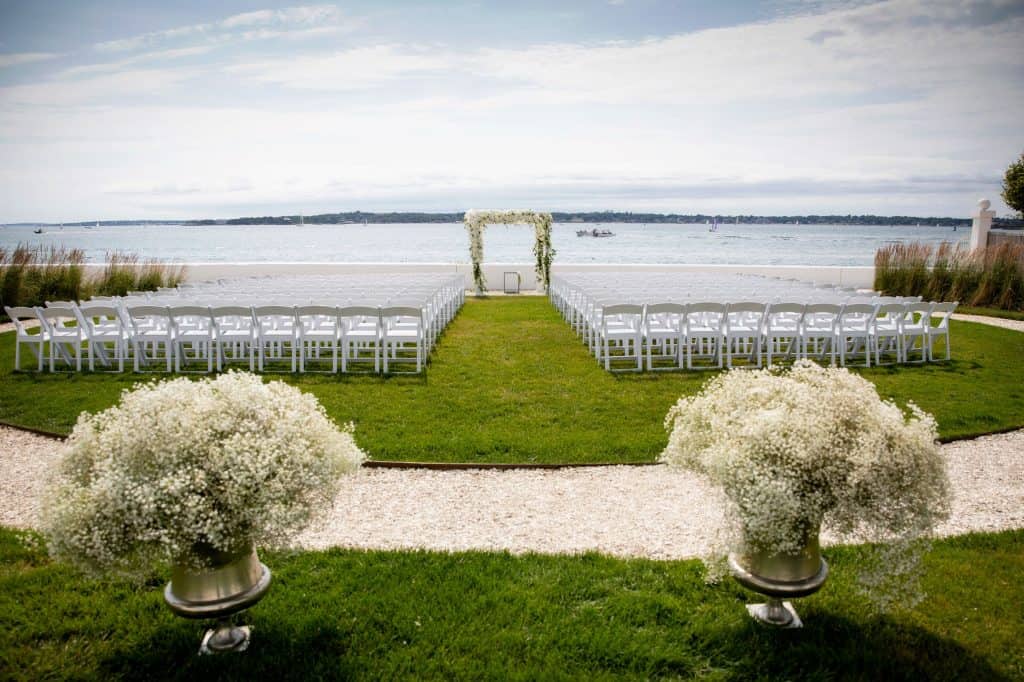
(821, 36)
(313, 14)
(12, 59)
(145, 57)
(281, 21)
(864, 109)
(345, 70)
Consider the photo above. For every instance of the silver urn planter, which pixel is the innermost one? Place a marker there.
(233, 582)
(781, 577)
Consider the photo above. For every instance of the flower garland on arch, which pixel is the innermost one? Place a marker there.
(544, 253)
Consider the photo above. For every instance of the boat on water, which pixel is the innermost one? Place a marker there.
(714, 226)
(38, 230)
(595, 233)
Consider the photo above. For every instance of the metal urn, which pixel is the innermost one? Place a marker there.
(234, 582)
(780, 577)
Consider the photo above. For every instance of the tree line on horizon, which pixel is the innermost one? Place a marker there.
(356, 217)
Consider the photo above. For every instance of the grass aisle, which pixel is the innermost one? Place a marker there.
(510, 382)
(389, 615)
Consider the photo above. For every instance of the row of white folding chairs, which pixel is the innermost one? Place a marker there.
(439, 298)
(222, 334)
(578, 303)
(582, 309)
(721, 332)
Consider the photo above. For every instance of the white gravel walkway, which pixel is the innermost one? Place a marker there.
(629, 511)
(1015, 325)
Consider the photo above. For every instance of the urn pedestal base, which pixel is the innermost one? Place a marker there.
(234, 583)
(776, 612)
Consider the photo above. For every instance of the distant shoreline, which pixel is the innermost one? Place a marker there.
(360, 217)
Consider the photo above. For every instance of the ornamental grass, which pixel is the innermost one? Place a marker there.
(988, 278)
(29, 276)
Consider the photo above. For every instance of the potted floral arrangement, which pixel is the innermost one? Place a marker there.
(197, 474)
(794, 450)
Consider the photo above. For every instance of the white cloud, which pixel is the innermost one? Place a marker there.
(345, 70)
(12, 59)
(902, 107)
(282, 21)
(145, 57)
(312, 14)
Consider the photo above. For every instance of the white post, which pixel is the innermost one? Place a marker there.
(980, 225)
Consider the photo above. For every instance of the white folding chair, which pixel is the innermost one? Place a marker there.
(887, 331)
(620, 329)
(942, 312)
(743, 330)
(66, 336)
(402, 333)
(234, 335)
(103, 327)
(194, 335)
(275, 334)
(855, 330)
(150, 327)
(818, 330)
(360, 334)
(782, 330)
(663, 330)
(318, 329)
(914, 334)
(703, 332)
(36, 341)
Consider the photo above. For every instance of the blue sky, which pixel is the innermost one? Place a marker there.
(217, 109)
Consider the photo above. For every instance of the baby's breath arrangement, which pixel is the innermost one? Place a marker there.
(792, 450)
(179, 465)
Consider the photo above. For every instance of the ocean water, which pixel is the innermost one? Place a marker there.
(448, 243)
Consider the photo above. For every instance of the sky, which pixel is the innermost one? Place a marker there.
(199, 109)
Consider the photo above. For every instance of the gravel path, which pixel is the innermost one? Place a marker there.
(620, 510)
(1015, 325)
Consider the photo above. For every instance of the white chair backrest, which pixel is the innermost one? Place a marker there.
(20, 313)
(943, 311)
(622, 309)
(666, 308)
(401, 311)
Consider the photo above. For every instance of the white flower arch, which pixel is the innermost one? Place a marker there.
(475, 222)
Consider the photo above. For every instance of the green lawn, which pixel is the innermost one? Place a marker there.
(510, 382)
(386, 615)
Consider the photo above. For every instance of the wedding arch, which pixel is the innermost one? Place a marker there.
(544, 253)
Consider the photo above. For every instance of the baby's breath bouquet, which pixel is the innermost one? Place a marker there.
(793, 450)
(181, 465)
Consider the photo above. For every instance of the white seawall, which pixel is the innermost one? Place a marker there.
(847, 276)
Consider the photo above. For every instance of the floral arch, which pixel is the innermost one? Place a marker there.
(544, 253)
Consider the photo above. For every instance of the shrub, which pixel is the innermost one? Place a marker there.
(991, 277)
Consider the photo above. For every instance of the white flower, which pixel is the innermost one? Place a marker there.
(793, 450)
(229, 462)
(475, 221)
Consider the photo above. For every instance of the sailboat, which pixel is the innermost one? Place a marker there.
(714, 226)
(301, 221)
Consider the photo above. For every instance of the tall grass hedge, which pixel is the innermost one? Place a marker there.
(32, 275)
(987, 278)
